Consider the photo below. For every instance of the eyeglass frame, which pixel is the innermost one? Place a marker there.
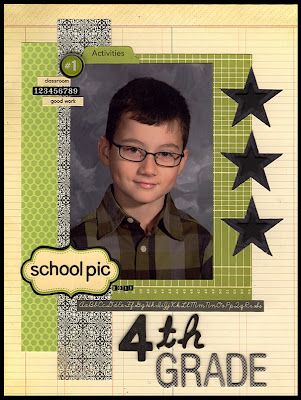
(119, 146)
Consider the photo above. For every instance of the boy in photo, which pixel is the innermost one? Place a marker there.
(137, 221)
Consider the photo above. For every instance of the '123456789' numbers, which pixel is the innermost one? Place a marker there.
(50, 90)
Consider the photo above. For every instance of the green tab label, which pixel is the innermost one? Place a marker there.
(109, 55)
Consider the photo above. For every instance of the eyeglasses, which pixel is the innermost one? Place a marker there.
(162, 158)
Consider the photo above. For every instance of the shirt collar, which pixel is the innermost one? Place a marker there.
(110, 215)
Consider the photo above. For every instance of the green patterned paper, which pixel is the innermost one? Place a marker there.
(39, 192)
(232, 275)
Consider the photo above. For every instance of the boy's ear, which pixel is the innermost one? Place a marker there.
(104, 150)
(183, 161)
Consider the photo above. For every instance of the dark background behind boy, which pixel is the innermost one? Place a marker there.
(89, 178)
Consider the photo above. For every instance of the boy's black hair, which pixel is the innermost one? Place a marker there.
(150, 102)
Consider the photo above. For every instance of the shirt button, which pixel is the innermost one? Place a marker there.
(130, 220)
(143, 249)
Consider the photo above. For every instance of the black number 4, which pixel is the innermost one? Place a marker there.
(142, 346)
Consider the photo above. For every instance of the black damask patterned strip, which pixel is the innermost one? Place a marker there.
(84, 339)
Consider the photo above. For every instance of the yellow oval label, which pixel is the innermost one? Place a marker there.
(70, 271)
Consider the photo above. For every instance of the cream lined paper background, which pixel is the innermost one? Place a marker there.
(269, 33)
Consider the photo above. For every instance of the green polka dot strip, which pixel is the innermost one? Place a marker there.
(39, 192)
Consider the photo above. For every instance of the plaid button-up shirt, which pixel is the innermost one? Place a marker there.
(177, 247)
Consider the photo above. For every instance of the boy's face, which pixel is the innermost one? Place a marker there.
(145, 182)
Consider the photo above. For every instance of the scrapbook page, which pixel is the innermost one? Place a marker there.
(150, 200)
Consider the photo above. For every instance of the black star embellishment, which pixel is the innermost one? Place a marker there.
(251, 164)
(251, 100)
(251, 229)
